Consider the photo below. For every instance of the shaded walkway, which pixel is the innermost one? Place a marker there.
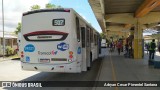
(117, 68)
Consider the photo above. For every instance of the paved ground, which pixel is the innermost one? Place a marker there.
(117, 68)
(4, 59)
(10, 70)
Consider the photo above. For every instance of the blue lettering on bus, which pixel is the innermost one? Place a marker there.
(63, 46)
(29, 48)
(27, 59)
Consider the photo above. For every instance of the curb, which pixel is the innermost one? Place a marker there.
(7, 59)
(1, 60)
(98, 75)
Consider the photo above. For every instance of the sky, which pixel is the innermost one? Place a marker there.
(13, 10)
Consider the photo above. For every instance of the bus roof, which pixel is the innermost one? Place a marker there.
(47, 10)
(58, 10)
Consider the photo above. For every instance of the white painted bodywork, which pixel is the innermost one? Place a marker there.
(43, 21)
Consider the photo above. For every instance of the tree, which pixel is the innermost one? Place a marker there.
(102, 35)
(35, 7)
(49, 6)
(18, 29)
(59, 6)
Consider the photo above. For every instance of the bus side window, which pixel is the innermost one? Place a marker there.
(77, 29)
(83, 37)
(87, 36)
(95, 39)
(91, 35)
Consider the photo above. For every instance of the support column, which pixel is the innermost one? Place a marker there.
(138, 41)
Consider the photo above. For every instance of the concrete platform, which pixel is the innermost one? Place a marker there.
(118, 68)
(157, 64)
(151, 62)
(156, 61)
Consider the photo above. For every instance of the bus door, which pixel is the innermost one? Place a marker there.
(83, 38)
(88, 48)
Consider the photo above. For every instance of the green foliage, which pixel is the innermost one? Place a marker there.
(18, 29)
(49, 5)
(9, 50)
(107, 41)
(102, 35)
(155, 36)
(35, 7)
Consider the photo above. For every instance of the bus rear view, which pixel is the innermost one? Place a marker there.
(53, 40)
(45, 44)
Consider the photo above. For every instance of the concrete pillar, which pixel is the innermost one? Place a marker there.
(138, 35)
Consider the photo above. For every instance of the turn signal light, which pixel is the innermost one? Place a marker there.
(22, 52)
(70, 52)
(22, 56)
(70, 56)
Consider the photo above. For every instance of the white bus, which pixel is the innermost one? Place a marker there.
(57, 40)
(103, 43)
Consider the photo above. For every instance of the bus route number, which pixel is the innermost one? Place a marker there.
(58, 22)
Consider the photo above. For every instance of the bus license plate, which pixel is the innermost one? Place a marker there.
(44, 60)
